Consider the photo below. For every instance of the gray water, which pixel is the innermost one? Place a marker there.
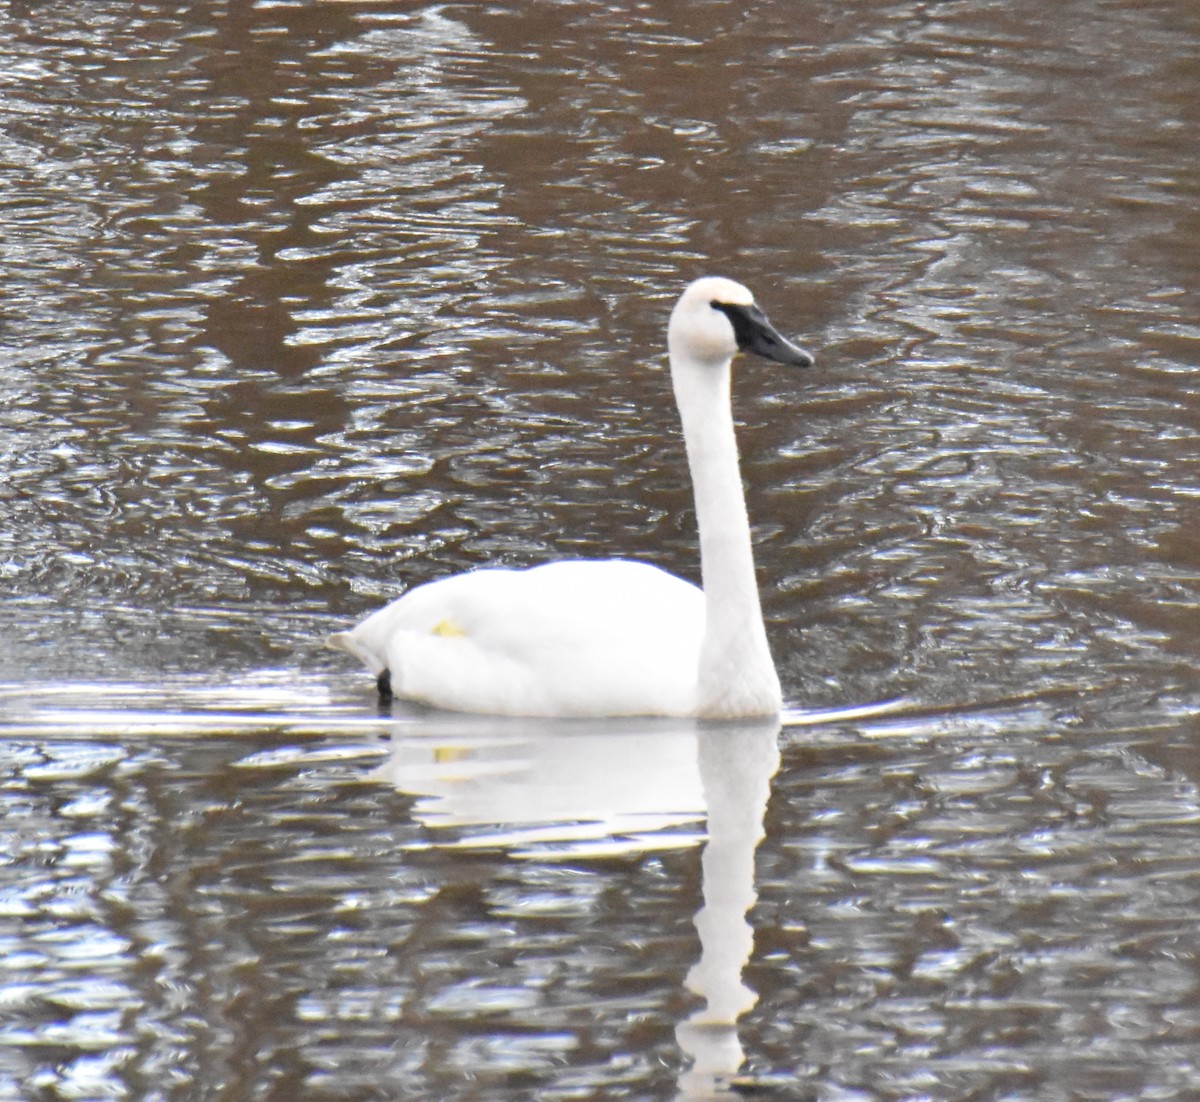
(302, 303)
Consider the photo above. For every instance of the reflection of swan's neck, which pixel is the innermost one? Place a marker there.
(737, 676)
(736, 766)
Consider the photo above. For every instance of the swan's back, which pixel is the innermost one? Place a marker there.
(577, 638)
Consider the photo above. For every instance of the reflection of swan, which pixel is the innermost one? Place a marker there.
(549, 790)
(736, 767)
(611, 638)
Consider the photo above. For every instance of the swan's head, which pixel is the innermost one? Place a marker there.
(715, 318)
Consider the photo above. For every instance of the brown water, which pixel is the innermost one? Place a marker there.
(304, 302)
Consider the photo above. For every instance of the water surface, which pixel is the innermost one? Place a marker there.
(304, 302)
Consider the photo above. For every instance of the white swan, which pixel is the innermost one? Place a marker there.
(585, 638)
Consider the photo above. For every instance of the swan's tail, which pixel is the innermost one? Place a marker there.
(345, 641)
(341, 640)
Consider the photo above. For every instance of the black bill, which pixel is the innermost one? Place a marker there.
(754, 333)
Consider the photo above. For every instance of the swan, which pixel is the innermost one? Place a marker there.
(598, 638)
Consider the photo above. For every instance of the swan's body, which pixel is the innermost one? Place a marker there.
(577, 638)
(585, 638)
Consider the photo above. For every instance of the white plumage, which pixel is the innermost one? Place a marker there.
(586, 638)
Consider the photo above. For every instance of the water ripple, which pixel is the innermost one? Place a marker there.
(305, 303)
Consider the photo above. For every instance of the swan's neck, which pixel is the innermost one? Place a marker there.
(736, 676)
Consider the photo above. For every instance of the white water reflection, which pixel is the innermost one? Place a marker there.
(544, 790)
(736, 767)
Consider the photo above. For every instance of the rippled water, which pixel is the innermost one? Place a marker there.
(304, 302)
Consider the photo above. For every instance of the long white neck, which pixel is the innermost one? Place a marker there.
(736, 675)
